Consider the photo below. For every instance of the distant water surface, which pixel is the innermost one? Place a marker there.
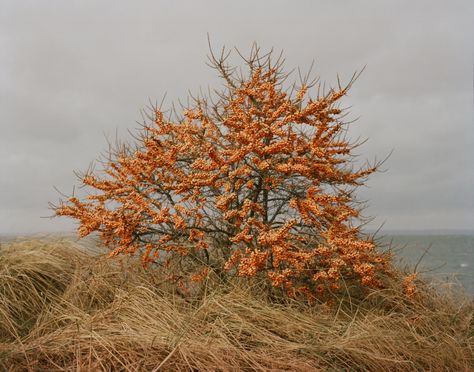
(448, 257)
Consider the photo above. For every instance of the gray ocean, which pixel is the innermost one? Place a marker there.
(445, 257)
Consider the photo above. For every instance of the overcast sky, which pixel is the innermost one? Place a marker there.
(74, 72)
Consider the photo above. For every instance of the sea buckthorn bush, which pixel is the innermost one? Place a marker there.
(259, 173)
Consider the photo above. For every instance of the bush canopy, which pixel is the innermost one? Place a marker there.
(257, 179)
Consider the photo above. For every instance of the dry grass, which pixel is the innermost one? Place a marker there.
(61, 309)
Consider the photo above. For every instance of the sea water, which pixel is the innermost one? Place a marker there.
(445, 257)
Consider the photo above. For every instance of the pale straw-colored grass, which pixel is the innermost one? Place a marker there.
(61, 309)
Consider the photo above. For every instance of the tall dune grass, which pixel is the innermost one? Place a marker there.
(63, 309)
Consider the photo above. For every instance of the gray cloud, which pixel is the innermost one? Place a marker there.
(72, 73)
